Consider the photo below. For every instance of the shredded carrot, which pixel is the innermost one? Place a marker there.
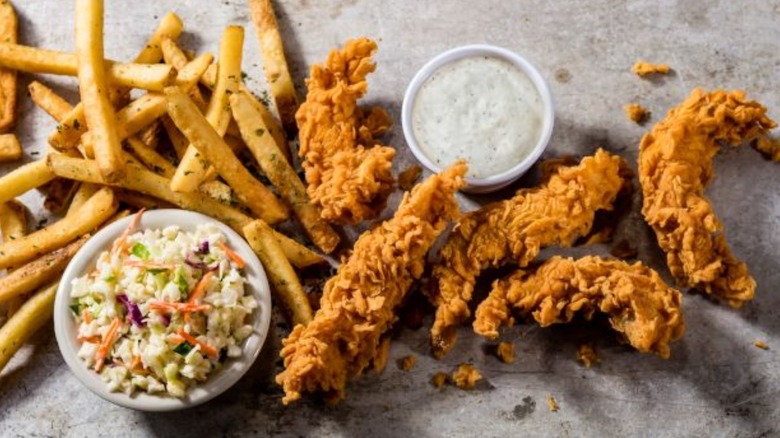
(178, 307)
(106, 343)
(232, 255)
(135, 362)
(91, 339)
(206, 348)
(85, 315)
(149, 264)
(121, 243)
(200, 288)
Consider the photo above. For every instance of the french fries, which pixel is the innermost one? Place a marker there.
(35, 274)
(49, 101)
(82, 195)
(23, 179)
(10, 148)
(8, 32)
(98, 110)
(280, 173)
(94, 212)
(300, 256)
(284, 282)
(150, 158)
(36, 312)
(175, 56)
(274, 63)
(192, 168)
(208, 142)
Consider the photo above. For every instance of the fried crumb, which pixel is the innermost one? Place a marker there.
(624, 250)
(407, 363)
(439, 379)
(381, 356)
(586, 354)
(409, 177)
(761, 344)
(506, 352)
(643, 68)
(636, 113)
(466, 376)
(551, 403)
(769, 148)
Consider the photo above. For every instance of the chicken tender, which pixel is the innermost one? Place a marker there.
(675, 166)
(558, 212)
(358, 305)
(347, 171)
(639, 304)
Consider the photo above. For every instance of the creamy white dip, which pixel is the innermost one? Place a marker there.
(482, 109)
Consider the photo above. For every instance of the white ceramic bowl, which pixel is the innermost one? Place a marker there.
(66, 329)
(500, 180)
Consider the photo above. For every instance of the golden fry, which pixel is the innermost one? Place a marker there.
(49, 101)
(13, 220)
(210, 145)
(284, 282)
(150, 158)
(280, 173)
(277, 73)
(23, 179)
(10, 148)
(175, 56)
(31, 316)
(8, 32)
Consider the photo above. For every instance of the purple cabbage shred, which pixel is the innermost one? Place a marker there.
(132, 309)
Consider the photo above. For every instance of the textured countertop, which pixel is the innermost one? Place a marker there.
(716, 383)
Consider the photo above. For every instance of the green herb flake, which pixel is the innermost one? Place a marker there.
(155, 271)
(260, 132)
(109, 278)
(141, 251)
(184, 288)
(184, 348)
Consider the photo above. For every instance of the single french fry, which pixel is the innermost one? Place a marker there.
(280, 173)
(191, 171)
(152, 77)
(175, 56)
(94, 212)
(35, 274)
(36, 312)
(10, 148)
(277, 73)
(150, 158)
(98, 110)
(8, 32)
(23, 179)
(284, 282)
(13, 220)
(146, 182)
(82, 195)
(70, 130)
(49, 101)
(213, 148)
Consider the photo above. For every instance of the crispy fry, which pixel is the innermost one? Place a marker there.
(82, 195)
(23, 179)
(171, 27)
(13, 220)
(32, 316)
(10, 148)
(300, 256)
(150, 158)
(153, 77)
(192, 169)
(39, 272)
(49, 101)
(280, 173)
(274, 63)
(284, 281)
(98, 110)
(175, 56)
(8, 32)
(210, 145)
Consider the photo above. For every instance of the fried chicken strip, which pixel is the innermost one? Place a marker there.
(348, 172)
(675, 166)
(558, 212)
(358, 304)
(639, 304)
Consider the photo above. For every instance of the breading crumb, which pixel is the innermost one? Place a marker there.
(439, 379)
(407, 363)
(466, 376)
(761, 344)
(644, 68)
(551, 403)
(586, 353)
(506, 352)
(769, 147)
(381, 355)
(636, 113)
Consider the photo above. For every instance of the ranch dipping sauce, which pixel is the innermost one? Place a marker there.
(482, 109)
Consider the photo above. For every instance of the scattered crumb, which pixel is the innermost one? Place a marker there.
(407, 363)
(381, 356)
(586, 353)
(439, 379)
(551, 403)
(769, 147)
(761, 344)
(409, 177)
(506, 352)
(643, 68)
(624, 250)
(636, 112)
(466, 376)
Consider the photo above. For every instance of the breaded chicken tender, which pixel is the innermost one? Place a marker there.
(514, 230)
(639, 304)
(347, 171)
(359, 303)
(675, 166)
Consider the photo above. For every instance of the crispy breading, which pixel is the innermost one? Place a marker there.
(644, 68)
(348, 172)
(359, 303)
(586, 354)
(505, 351)
(558, 212)
(551, 403)
(638, 302)
(675, 166)
(466, 376)
(769, 147)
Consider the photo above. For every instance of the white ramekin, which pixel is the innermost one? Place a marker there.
(500, 180)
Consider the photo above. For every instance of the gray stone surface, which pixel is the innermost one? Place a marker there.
(716, 382)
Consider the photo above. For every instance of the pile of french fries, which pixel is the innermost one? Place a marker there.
(177, 145)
